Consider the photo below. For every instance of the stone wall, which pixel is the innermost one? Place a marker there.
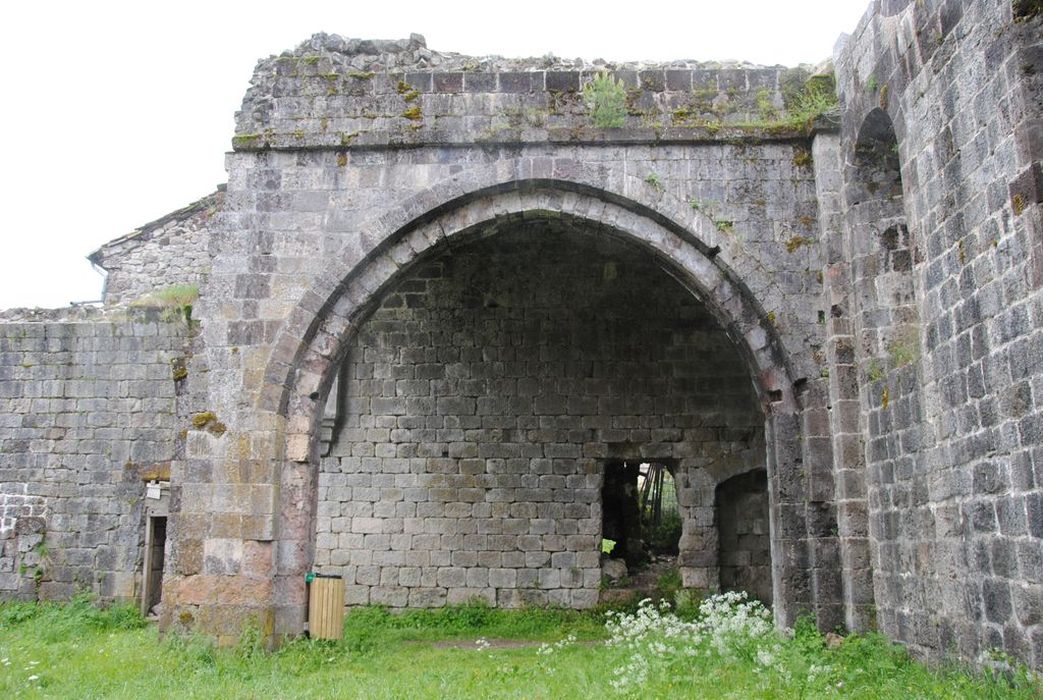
(167, 252)
(332, 92)
(880, 288)
(87, 415)
(952, 418)
(482, 399)
(395, 226)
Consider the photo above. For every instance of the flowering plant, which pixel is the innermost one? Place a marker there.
(730, 627)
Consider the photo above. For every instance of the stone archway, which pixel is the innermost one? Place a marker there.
(325, 320)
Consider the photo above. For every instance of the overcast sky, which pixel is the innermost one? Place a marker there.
(114, 114)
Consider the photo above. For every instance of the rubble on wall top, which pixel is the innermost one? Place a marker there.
(67, 314)
(379, 55)
(88, 312)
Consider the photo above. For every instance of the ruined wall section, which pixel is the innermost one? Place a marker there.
(87, 414)
(171, 251)
(311, 204)
(955, 487)
(482, 399)
(332, 92)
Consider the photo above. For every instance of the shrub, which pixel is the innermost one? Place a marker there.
(606, 98)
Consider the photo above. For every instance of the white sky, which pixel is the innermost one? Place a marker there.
(114, 114)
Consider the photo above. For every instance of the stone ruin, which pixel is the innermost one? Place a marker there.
(443, 309)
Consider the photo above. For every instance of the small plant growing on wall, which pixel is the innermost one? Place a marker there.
(606, 99)
(176, 301)
(904, 348)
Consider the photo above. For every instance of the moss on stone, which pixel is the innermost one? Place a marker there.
(246, 140)
(796, 243)
(766, 104)
(904, 348)
(408, 92)
(207, 420)
(1024, 10)
(791, 85)
(200, 420)
(1017, 203)
(874, 372)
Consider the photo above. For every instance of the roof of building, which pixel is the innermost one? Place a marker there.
(119, 246)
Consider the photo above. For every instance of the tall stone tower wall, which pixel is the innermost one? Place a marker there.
(937, 297)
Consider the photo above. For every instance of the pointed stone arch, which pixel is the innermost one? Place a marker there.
(312, 344)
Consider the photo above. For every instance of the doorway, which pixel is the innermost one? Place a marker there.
(152, 571)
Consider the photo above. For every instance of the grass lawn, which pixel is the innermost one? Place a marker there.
(77, 651)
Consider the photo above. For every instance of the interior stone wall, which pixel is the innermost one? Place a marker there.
(481, 400)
